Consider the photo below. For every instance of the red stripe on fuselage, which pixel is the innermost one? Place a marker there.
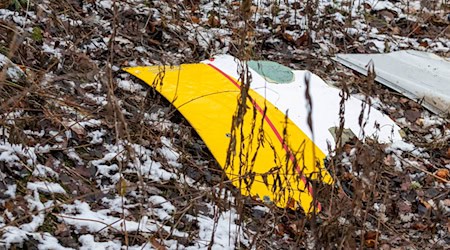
(275, 131)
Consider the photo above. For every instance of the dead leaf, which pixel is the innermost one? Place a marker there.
(347, 176)
(75, 127)
(213, 21)
(404, 207)
(9, 205)
(156, 244)
(154, 42)
(235, 3)
(448, 226)
(195, 19)
(62, 230)
(419, 226)
(403, 100)
(296, 228)
(405, 186)
(5, 3)
(304, 40)
(389, 160)
(448, 153)
(388, 15)
(412, 115)
(425, 204)
(280, 229)
(417, 29)
(291, 203)
(122, 187)
(423, 43)
(443, 173)
(367, 6)
(348, 148)
(296, 5)
(370, 238)
(288, 37)
(396, 31)
(446, 202)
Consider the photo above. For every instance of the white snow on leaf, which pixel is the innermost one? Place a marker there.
(10, 190)
(49, 242)
(12, 154)
(163, 213)
(398, 147)
(157, 200)
(44, 171)
(46, 187)
(88, 243)
(81, 216)
(147, 167)
(13, 235)
(226, 232)
(105, 4)
(73, 155)
(35, 204)
(5, 14)
(169, 152)
(97, 136)
(129, 86)
(48, 49)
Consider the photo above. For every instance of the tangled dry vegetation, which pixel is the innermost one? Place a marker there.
(93, 158)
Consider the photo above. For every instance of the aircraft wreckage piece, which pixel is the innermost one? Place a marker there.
(418, 75)
(272, 155)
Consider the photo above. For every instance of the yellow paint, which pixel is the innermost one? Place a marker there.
(208, 100)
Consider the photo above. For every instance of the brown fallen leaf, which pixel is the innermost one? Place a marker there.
(367, 6)
(296, 228)
(280, 229)
(9, 205)
(419, 226)
(291, 203)
(417, 29)
(153, 42)
(75, 127)
(396, 31)
(348, 148)
(304, 40)
(156, 244)
(448, 225)
(5, 3)
(235, 3)
(388, 15)
(404, 207)
(423, 43)
(403, 100)
(195, 19)
(426, 204)
(389, 161)
(288, 37)
(446, 202)
(412, 115)
(62, 230)
(370, 238)
(213, 21)
(443, 173)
